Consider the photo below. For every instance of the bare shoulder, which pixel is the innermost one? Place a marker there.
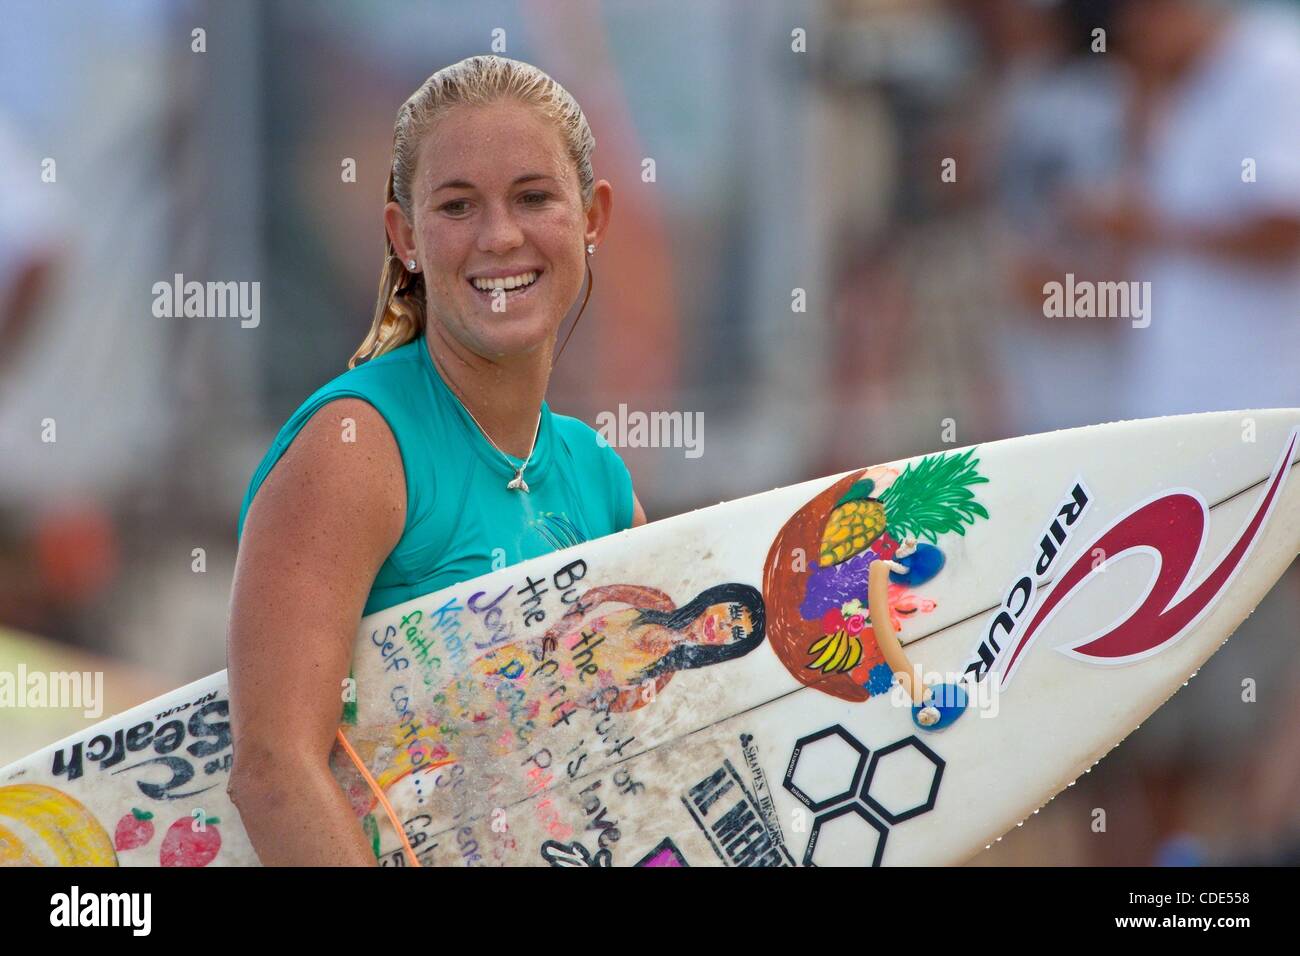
(342, 475)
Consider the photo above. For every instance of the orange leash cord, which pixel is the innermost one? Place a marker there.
(383, 800)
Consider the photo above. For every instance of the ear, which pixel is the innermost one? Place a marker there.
(602, 205)
(401, 233)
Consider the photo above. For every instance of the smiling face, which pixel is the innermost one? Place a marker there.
(723, 623)
(495, 194)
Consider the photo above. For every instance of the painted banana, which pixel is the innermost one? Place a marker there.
(835, 652)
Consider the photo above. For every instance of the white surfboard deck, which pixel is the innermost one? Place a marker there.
(496, 746)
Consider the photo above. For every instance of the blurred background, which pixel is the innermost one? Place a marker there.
(127, 156)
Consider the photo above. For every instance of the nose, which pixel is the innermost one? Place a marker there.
(499, 233)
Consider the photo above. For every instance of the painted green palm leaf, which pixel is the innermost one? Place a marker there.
(934, 497)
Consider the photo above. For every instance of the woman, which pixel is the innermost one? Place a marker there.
(434, 459)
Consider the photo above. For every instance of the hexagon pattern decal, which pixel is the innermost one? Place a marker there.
(857, 795)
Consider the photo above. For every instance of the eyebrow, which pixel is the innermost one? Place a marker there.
(464, 184)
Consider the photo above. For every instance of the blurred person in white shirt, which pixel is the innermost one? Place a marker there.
(1211, 214)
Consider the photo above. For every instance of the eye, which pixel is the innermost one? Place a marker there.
(738, 632)
(540, 197)
(446, 207)
(735, 611)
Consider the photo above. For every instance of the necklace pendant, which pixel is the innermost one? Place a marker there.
(517, 483)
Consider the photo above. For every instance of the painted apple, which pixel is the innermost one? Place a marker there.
(184, 846)
(133, 830)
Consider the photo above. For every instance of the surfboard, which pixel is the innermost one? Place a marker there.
(889, 666)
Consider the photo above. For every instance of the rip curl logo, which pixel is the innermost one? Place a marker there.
(1172, 528)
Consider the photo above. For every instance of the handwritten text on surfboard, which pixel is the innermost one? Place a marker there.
(447, 621)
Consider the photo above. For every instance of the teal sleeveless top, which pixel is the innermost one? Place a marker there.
(461, 520)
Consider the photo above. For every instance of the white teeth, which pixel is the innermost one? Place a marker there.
(510, 282)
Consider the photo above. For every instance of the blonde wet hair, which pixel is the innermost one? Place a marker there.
(477, 81)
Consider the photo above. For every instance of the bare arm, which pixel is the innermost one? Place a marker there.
(638, 513)
(18, 308)
(314, 538)
(1269, 239)
(1256, 237)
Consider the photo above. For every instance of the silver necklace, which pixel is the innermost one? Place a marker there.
(516, 483)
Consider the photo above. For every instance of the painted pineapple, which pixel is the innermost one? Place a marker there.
(925, 501)
(856, 520)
